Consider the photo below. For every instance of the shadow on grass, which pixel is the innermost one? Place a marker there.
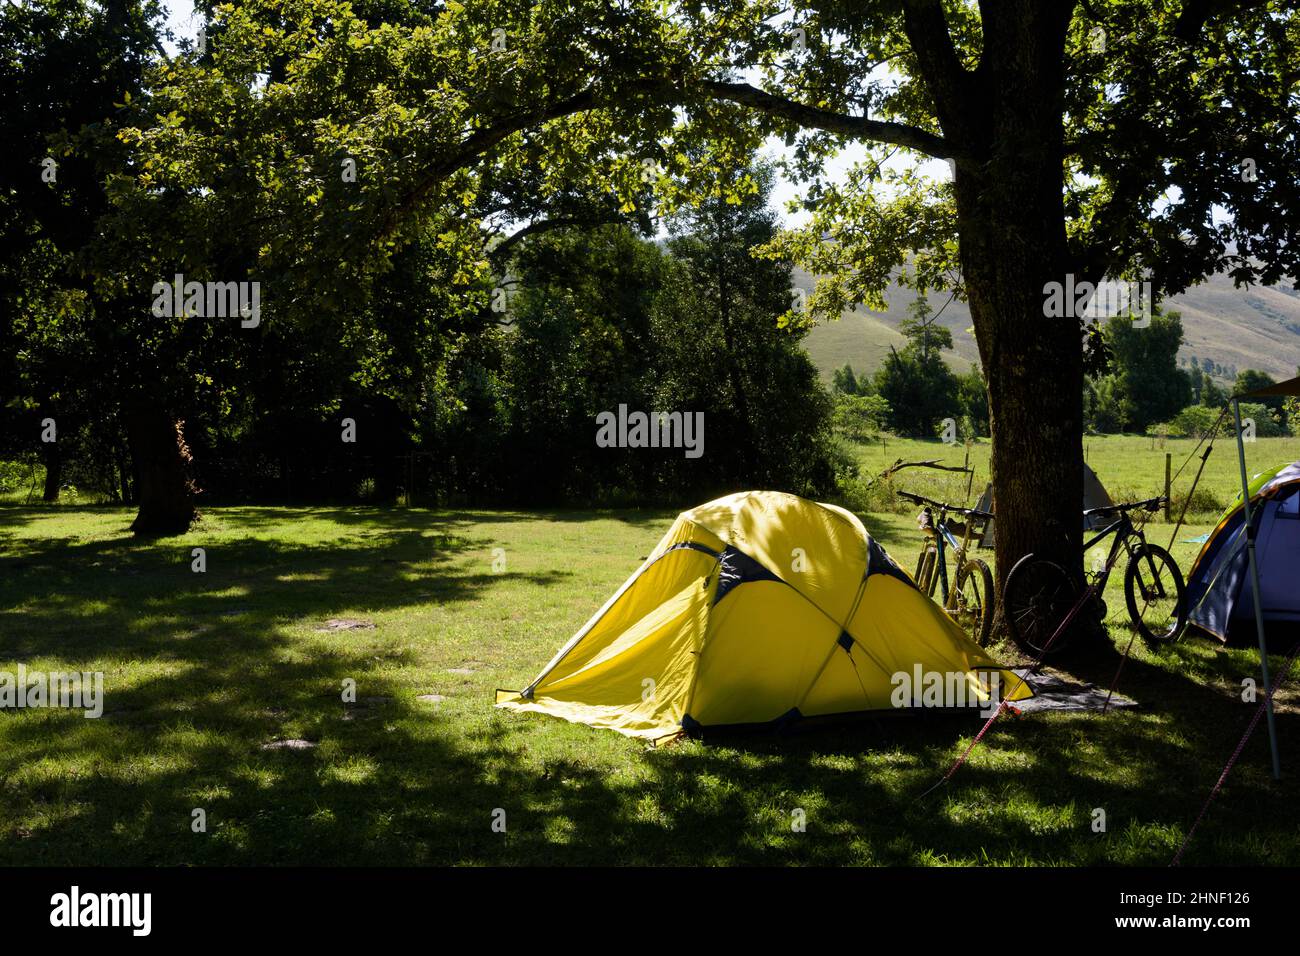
(1027, 794)
(395, 791)
(400, 785)
(373, 516)
(144, 597)
(207, 671)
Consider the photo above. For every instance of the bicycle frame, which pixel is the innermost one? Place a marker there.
(952, 542)
(940, 559)
(1125, 531)
(1122, 528)
(944, 536)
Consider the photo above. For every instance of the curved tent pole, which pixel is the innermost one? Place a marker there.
(1254, 586)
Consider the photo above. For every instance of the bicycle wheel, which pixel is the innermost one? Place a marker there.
(971, 600)
(1037, 597)
(925, 569)
(1153, 588)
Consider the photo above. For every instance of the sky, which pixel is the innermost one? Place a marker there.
(181, 18)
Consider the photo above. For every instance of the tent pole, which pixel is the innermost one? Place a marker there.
(1254, 585)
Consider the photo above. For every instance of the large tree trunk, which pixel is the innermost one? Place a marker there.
(53, 471)
(124, 473)
(162, 482)
(1012, 228)
(748, 450)
(1034, 369)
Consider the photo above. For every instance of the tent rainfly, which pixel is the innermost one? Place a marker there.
(760, 607)
(1216, 583)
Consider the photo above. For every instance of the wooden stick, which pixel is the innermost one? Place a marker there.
(899, 465)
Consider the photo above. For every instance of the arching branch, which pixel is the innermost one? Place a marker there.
(854, 127)
(499, 253)
(483, 141)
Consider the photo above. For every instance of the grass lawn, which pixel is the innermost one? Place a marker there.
(1130, 466)
(202, 670)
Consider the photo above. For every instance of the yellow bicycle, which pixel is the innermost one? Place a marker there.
(971, 600)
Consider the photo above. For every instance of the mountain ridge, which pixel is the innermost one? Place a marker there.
(1256, 327)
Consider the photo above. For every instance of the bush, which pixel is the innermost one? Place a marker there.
(973, 396)
(14, 476)
(1204, 501)
(1194, 421)
(857, 494)
(860, 417)
(1266, 420)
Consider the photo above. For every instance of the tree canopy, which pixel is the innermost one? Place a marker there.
(367, 160)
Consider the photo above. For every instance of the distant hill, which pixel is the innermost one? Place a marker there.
(1243, 328)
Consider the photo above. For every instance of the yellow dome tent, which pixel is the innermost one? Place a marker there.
(757, 607)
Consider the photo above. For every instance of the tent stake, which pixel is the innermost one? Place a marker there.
(1254, 584)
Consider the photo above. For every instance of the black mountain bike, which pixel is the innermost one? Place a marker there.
(1043, 604)
(970, 601)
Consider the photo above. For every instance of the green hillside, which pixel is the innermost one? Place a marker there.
(1242, 328)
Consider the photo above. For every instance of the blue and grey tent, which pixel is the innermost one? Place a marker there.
(1218, 588)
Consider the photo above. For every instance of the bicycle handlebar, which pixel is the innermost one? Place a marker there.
(922, 500)
(1150, 504)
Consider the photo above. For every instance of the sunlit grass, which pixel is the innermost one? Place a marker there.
(202, 670)
(1129, 466)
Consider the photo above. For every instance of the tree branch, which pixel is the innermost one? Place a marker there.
(900, 464)
(480, 142)
(500, 252)
(948, 81)
(854, 127)
(1195, 14)
(475, 145)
